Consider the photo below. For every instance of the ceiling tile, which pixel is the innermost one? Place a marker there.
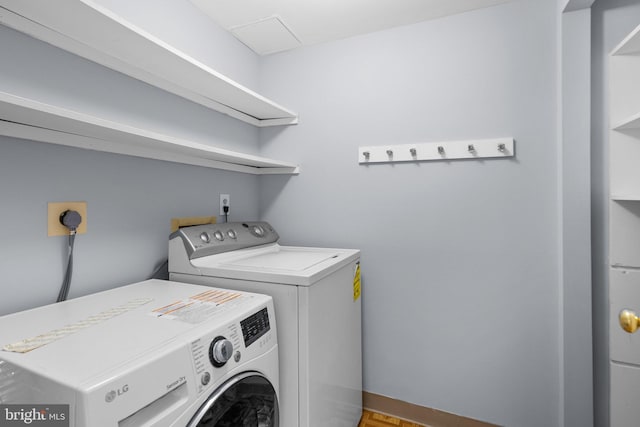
(268, 35)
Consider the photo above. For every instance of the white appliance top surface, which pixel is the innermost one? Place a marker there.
(276, 264)
(287, 259)
(88, 337)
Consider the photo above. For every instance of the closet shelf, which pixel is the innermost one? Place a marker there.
(630, 45)
(91, 31)
(632, 122)
(30, 119)
(619, 197)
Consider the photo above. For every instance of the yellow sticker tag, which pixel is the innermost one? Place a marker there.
(357, 289)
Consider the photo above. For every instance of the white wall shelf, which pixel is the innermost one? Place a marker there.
(624, 135)
(624, 152)
(30, 119)
(632, 122)
(93, 32)
(430, 151)
(629, 45)
(621, 197)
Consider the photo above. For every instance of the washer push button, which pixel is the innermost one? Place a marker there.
(206, 377)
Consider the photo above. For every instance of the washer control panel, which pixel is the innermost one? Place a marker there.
(210, 239)
(255, 326)
(223, 349)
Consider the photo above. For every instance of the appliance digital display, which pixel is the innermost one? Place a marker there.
(255, 326)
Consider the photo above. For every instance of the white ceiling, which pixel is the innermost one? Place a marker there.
(269, 26)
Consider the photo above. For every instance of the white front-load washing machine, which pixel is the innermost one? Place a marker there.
(317, 301)
(155, 353)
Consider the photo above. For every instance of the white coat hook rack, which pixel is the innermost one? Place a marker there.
(450, 150)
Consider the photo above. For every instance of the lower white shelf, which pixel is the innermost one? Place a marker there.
(619, 197)
(29, 119)
(429, 151)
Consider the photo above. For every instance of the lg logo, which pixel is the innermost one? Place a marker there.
(111, 396)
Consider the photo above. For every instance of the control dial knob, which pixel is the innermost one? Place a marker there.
(257, 231)
(220, 351)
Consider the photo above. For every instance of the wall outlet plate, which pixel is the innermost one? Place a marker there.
(225, 200)
(55, 209)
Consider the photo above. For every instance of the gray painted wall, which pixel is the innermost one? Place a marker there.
(461, 287)
(612, 21)
(576, 218)
(463, 300)
(130, 200)
(130, 203)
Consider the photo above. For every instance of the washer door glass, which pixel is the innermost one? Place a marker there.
(247, 400)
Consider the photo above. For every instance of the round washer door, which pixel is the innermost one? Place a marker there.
(246, 400)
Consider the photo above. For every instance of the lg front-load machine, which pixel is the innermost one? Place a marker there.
(317, 301)
(155, 353)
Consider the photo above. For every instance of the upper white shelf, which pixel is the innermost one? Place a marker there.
(93, 32)
(630, 45)
(30, 119)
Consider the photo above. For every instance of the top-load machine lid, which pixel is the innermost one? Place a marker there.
(284, 258)
(250, 251)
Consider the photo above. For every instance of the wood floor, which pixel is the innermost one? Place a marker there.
(373, 419)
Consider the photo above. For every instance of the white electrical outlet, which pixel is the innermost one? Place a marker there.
(225, 201)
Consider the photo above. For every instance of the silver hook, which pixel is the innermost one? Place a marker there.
(502, 148)
(440, 150)
(413, 151)
(389, 153)
(366, 154)
(471, 148)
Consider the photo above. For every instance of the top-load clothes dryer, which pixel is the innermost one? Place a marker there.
(317, 301)
(154, 353)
